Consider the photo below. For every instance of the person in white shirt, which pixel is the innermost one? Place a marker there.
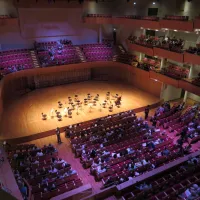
(39, 153)
(60, 161)
(100, 169)
(54, 170)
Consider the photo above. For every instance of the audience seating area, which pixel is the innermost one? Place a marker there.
(151, 18)
(177, 18)
(97, 52)
(57, 53)
(149, 64)
(15, 60)
(194, 50)
(99, 15)
(175, 183)
(40, 173)
(171, 44)
(120, 147)
(175, 71)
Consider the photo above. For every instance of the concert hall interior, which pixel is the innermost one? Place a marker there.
(99, 99)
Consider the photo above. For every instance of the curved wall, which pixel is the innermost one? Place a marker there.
(14, 85)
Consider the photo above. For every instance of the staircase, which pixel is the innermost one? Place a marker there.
(121, 49)
(34, 59)
(80, 54)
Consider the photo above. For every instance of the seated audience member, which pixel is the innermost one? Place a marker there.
(53, 170)
(191, 193)
(39, 153)
(166, 152)
(24, 191)
(144, 187)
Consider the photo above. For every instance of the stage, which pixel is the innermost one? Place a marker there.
(23, 117)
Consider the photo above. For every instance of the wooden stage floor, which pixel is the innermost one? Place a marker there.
(23, 116)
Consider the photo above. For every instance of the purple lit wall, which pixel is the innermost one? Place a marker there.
(47, 24)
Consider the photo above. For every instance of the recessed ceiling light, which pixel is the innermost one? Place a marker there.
(154, 3)
(134, 3)
(175, 30)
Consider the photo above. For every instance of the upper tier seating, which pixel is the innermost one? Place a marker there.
(97, 52)
(171, 44)
(41, 171)
(99, 15)
(178, 18)
(151, 18)
(148, 41)
(15, 60)
(149, 64)
(193, 50)
(57, 53)
(175, 71)
(120, 146)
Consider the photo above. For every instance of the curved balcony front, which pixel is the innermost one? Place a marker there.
(191, 58)
(197, 23)
(8, 22)
(164, 53)
(177, 25)
(189, 87)
(163, 78)
(137, 23)
(98, 20)
(139, 48)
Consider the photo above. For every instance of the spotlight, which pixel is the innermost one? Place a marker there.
(154, 3)
(134, 3)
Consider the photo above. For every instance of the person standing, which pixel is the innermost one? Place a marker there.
(67, 134)
(58, 135)
(146, 111)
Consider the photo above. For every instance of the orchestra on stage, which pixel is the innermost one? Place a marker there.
(75, 104)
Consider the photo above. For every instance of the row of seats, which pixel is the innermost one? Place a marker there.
(15, 60)
(151, 18)
(97, 52)
(177, 18)
(175, 71)
(46, 175)
(57, 53)
(112, 156)
(99, 15)
(170, 184)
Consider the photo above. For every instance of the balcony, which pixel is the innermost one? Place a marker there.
(139, 48)
(163, 78)
(189, 87)
(137, 23)
(98, 20)
(164, 53)
(197, 23)
(8, 21)
(177, 25)
(191, 58)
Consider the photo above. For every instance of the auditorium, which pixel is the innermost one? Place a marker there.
(99, 100)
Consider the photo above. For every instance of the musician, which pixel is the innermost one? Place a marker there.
(118, 101)
(65, 111)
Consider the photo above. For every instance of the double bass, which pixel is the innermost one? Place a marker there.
(118, 101)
